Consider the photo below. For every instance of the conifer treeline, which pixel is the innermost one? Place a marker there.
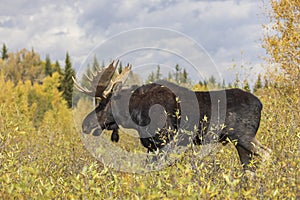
(180, 76)
(27, 65)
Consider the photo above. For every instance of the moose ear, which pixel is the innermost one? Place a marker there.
(117, 87)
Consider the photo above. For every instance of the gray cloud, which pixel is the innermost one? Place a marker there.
(224, 28)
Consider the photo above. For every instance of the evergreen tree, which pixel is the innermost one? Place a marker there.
(85, 81)
(246, 86)
(223, 84)
(229, 85)
(184, 76)
(158, 74)
(258, 83)
(48, 67)
(4, 52)
(177, 71)
(205, 84)
(151, 78)
(67, 82)
(212, 82)
(95, 64)
(120, 68)
(236, 83)
(103, 64)
(200, 83)
(57, 68)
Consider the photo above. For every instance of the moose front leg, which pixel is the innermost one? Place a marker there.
(115, 135)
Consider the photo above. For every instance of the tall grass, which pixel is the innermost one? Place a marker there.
(50, 161)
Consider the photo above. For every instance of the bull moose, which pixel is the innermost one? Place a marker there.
(222, 116)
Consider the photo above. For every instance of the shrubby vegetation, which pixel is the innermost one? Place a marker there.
(42, 156)
(45, 158)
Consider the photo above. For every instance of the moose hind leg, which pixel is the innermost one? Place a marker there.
(248, 149)
(245, 157)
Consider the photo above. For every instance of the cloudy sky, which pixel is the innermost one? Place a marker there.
(229, 31)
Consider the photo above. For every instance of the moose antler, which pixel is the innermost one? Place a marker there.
(121, 78)
(101, 83)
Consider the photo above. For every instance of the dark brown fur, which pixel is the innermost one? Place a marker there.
(234, 112)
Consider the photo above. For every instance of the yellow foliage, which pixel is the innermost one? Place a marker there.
(50, 162)
(42, 156)
(282, 43)
(198, 87)
(21, 66)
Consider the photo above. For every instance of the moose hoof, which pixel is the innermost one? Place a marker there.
(97, 132)
(115, 137)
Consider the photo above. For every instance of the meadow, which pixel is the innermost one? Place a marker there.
(42, 155)
(44, 158)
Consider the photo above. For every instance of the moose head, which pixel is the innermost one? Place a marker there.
(102, 84)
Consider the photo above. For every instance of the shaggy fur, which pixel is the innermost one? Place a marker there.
(232, 114)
